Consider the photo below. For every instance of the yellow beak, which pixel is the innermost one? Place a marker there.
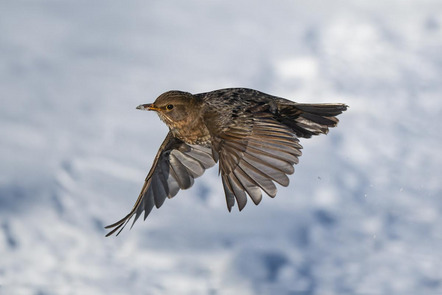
(147, 107)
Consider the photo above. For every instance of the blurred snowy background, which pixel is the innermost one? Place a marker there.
(362, 214)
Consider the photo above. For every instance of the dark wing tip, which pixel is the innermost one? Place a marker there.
(119, 225)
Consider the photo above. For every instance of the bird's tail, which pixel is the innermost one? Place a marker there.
(310, 119)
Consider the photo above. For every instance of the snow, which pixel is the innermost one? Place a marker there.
(362, 214)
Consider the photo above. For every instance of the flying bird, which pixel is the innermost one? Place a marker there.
(253, 136)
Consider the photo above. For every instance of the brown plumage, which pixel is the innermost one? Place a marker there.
(253, 135)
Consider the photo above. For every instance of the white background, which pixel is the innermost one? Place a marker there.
(362, 214)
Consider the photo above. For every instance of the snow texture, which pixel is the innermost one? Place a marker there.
(363, 212)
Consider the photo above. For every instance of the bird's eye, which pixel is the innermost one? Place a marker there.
(169, 106)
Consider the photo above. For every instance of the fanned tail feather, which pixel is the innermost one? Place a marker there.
(310, 119)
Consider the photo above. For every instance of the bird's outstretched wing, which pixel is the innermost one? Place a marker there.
(175, 167)
(254, 155)
(261, 147)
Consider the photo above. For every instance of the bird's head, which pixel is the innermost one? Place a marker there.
(173, 107)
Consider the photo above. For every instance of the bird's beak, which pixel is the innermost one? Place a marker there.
(147, 107)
